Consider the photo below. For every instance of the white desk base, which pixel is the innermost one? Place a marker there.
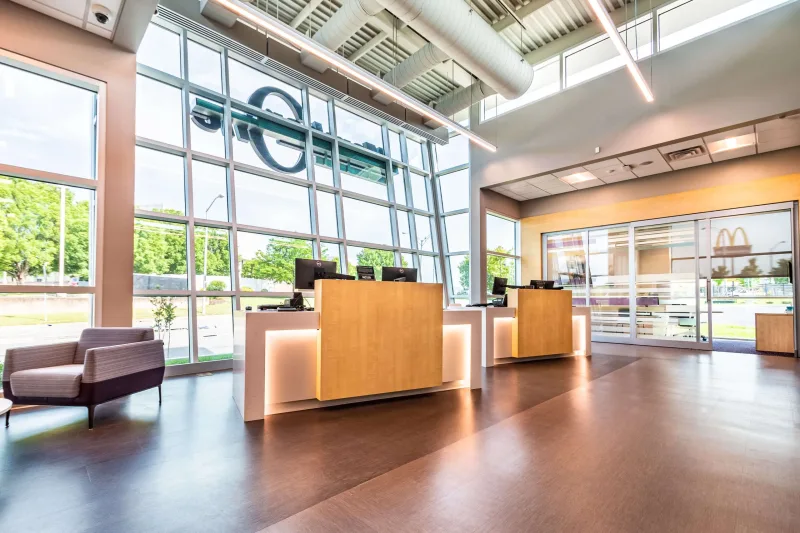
(275, 361)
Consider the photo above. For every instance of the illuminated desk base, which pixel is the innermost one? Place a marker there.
(275, 361)
(497, 335)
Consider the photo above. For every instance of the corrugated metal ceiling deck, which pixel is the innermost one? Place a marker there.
(554, 19)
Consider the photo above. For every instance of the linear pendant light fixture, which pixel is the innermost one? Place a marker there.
(622, 48)
(351, 70)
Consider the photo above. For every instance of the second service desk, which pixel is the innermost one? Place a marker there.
(364, 341)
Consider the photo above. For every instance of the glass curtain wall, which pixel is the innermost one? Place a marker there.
(48, 204)
(502, 248)
(239, 171)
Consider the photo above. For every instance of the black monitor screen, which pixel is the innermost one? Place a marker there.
(399, 274)
(307, 270)
(499, 286)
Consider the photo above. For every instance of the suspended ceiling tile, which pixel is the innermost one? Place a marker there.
(617, 176)
(734, 153)
(99, 30)
(570, 172)
(65, 12)
(777, 135)
(738, 132)
(600, 165)
(689, 163)
(556, 187)
(786, 141)
(681, 146)
(541, 179)
(646, 163)
(535, 192)
(790, 122)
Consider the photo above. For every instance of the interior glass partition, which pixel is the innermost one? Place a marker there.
(609, 291)
(566, 262)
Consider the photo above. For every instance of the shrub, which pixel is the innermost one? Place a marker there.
(216, 286)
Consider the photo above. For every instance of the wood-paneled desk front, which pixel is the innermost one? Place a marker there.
(775, 332)
(276, 366)
(543, 323)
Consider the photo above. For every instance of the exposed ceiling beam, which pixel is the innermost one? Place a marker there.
(524, 11)
(305, 12)
(584, 33)
(369, 45)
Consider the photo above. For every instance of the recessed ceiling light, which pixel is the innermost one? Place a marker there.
(579, 177)
(732, 143)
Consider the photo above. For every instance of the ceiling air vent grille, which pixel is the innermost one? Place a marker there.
(686, 153)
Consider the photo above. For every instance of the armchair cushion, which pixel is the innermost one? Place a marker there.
(100, 337)
(38, 357)
(111, 362)
(62, 381)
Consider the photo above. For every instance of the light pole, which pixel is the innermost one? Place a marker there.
(205, 249)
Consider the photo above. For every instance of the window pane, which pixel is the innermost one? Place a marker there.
(267, 262)
(244, 81)
(453, 154)
(369, 257)
(169, 317)
(566, 263)
(214, 328)
(424, 233)
(319, 114)
(212, 259)
(158, 111)
(357, 130)
(501, 235)
(428, 269)
(159, 255)
(30, 233)
(599, 56)
(210, 184)
(501, 267)
(398, 177)
(367, 222)
(283, 150)
(161, 50)
(455, 190)
(204, 66)
(394, 145)
(416, 153)
(610, 287)
(459, 274)
(159, 182)
(332, 252)
(457, 232)
(362, 174)
(205, 139)
(326, 209)
(36, 319)
(688, 20)
(407, 260)
(546, 81)
(323, 162)
(403, 229)
(46, 124)
(419, 191)
(272, 204)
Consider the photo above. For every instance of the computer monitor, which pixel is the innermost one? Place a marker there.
(499, 286)
(399, 274)
(542, 284)
(308, 270)
(365, 272)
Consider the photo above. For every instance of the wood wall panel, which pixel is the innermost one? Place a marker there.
(543, 322)
(377, 337)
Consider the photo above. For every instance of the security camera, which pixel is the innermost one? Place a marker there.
(101, 13)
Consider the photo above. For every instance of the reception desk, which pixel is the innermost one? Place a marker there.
(510, 333)
(365, 341)
(775, 332)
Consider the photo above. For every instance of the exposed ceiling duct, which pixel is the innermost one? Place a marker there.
(452, 103)
(415, 65)
(342, 25)
(464, 36)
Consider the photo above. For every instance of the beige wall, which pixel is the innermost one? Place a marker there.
(757, 180)
(47, 40)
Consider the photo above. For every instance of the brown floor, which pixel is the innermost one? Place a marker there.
(670, 443)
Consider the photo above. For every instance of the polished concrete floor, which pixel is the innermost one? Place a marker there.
(650, 440)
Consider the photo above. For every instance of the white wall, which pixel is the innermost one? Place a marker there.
(739, 74)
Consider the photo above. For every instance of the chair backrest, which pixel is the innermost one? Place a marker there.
(99, 337)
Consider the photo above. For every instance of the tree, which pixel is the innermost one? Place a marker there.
(219, 259)
(159, 247)
(496, 267)
(781, 271)
(30, 214)
(720, 272)
(751, 270)
(164, 314)
(276, 262)
(376, 259)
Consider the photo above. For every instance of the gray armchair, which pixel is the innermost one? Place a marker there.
(105, 364)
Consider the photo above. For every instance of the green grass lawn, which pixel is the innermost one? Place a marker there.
(32, 319)
(203, 359)
(730, 331)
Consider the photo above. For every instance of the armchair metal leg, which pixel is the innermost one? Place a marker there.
(91, 416)
(159, 395)
(8, 414)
